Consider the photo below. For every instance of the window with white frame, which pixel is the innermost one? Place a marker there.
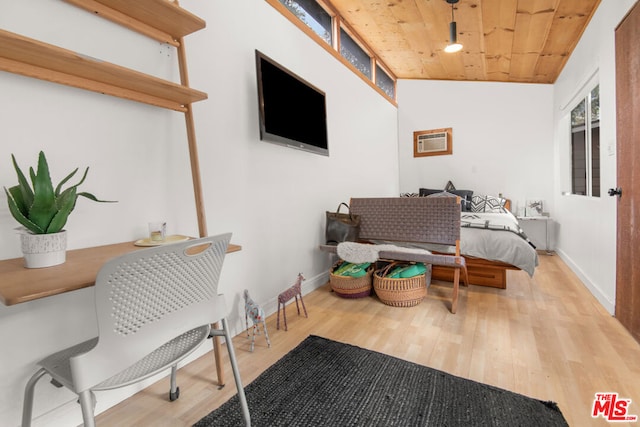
(585, 145)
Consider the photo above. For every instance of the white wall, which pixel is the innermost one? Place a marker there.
(272, 198)
(587, 234)
(502, 138)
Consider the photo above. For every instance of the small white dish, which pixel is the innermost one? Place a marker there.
(174, 238)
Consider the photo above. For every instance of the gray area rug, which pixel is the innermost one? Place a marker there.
(326, 383)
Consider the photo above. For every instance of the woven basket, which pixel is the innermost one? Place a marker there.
(403, 292)
(351, 287)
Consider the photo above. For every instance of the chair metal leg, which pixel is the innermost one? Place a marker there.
(236, 374)
(27, 406)
(174, 369)
(174, 390)
(87, 403)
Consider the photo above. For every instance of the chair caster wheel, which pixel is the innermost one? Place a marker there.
(174, 396)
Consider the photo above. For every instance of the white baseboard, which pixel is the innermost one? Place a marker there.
(605, 301)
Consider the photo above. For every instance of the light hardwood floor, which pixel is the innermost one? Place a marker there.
(545, 337)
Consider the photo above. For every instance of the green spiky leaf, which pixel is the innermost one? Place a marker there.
(32, 175)
(65, 205)
(94, 198)
(44, 207)
(26, 196)
(18, 198)
(22, 219)
(67, 178)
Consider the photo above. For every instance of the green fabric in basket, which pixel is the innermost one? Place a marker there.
(414, 270)
(353, 270)
(406, 271)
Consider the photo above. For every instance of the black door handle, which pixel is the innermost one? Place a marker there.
(615, 192)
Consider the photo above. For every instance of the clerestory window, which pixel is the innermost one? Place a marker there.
(352, 52)
(319, 18)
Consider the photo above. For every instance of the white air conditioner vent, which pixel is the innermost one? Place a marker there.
(432, 142)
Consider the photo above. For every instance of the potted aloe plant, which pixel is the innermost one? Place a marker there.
(43, 212)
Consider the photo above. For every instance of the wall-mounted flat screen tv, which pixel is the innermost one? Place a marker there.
(292, 111)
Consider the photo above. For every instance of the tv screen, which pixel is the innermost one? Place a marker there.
(292, 111)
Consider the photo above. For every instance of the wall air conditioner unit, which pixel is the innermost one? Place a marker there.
(432, 142)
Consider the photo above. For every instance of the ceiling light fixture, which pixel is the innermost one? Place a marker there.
(453, 45)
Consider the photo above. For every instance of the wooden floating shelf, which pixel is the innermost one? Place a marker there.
(162, 20)
(32, 58)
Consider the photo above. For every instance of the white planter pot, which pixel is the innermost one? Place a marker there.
(43, 250)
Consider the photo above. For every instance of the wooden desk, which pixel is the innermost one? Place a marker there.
(19, 284)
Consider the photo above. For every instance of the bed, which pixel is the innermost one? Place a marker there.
(491, 244)
(491, 241)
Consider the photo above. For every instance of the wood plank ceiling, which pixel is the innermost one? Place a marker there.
(526, 41)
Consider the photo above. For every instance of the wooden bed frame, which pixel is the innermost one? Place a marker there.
(481, 272)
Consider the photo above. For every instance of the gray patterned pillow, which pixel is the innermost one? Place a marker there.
(481, 203)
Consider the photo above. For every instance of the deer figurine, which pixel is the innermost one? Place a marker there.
(256, 313)
(294, 291)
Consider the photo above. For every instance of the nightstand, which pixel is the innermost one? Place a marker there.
(540, 230)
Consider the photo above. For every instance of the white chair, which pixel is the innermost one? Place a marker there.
(154, 307)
